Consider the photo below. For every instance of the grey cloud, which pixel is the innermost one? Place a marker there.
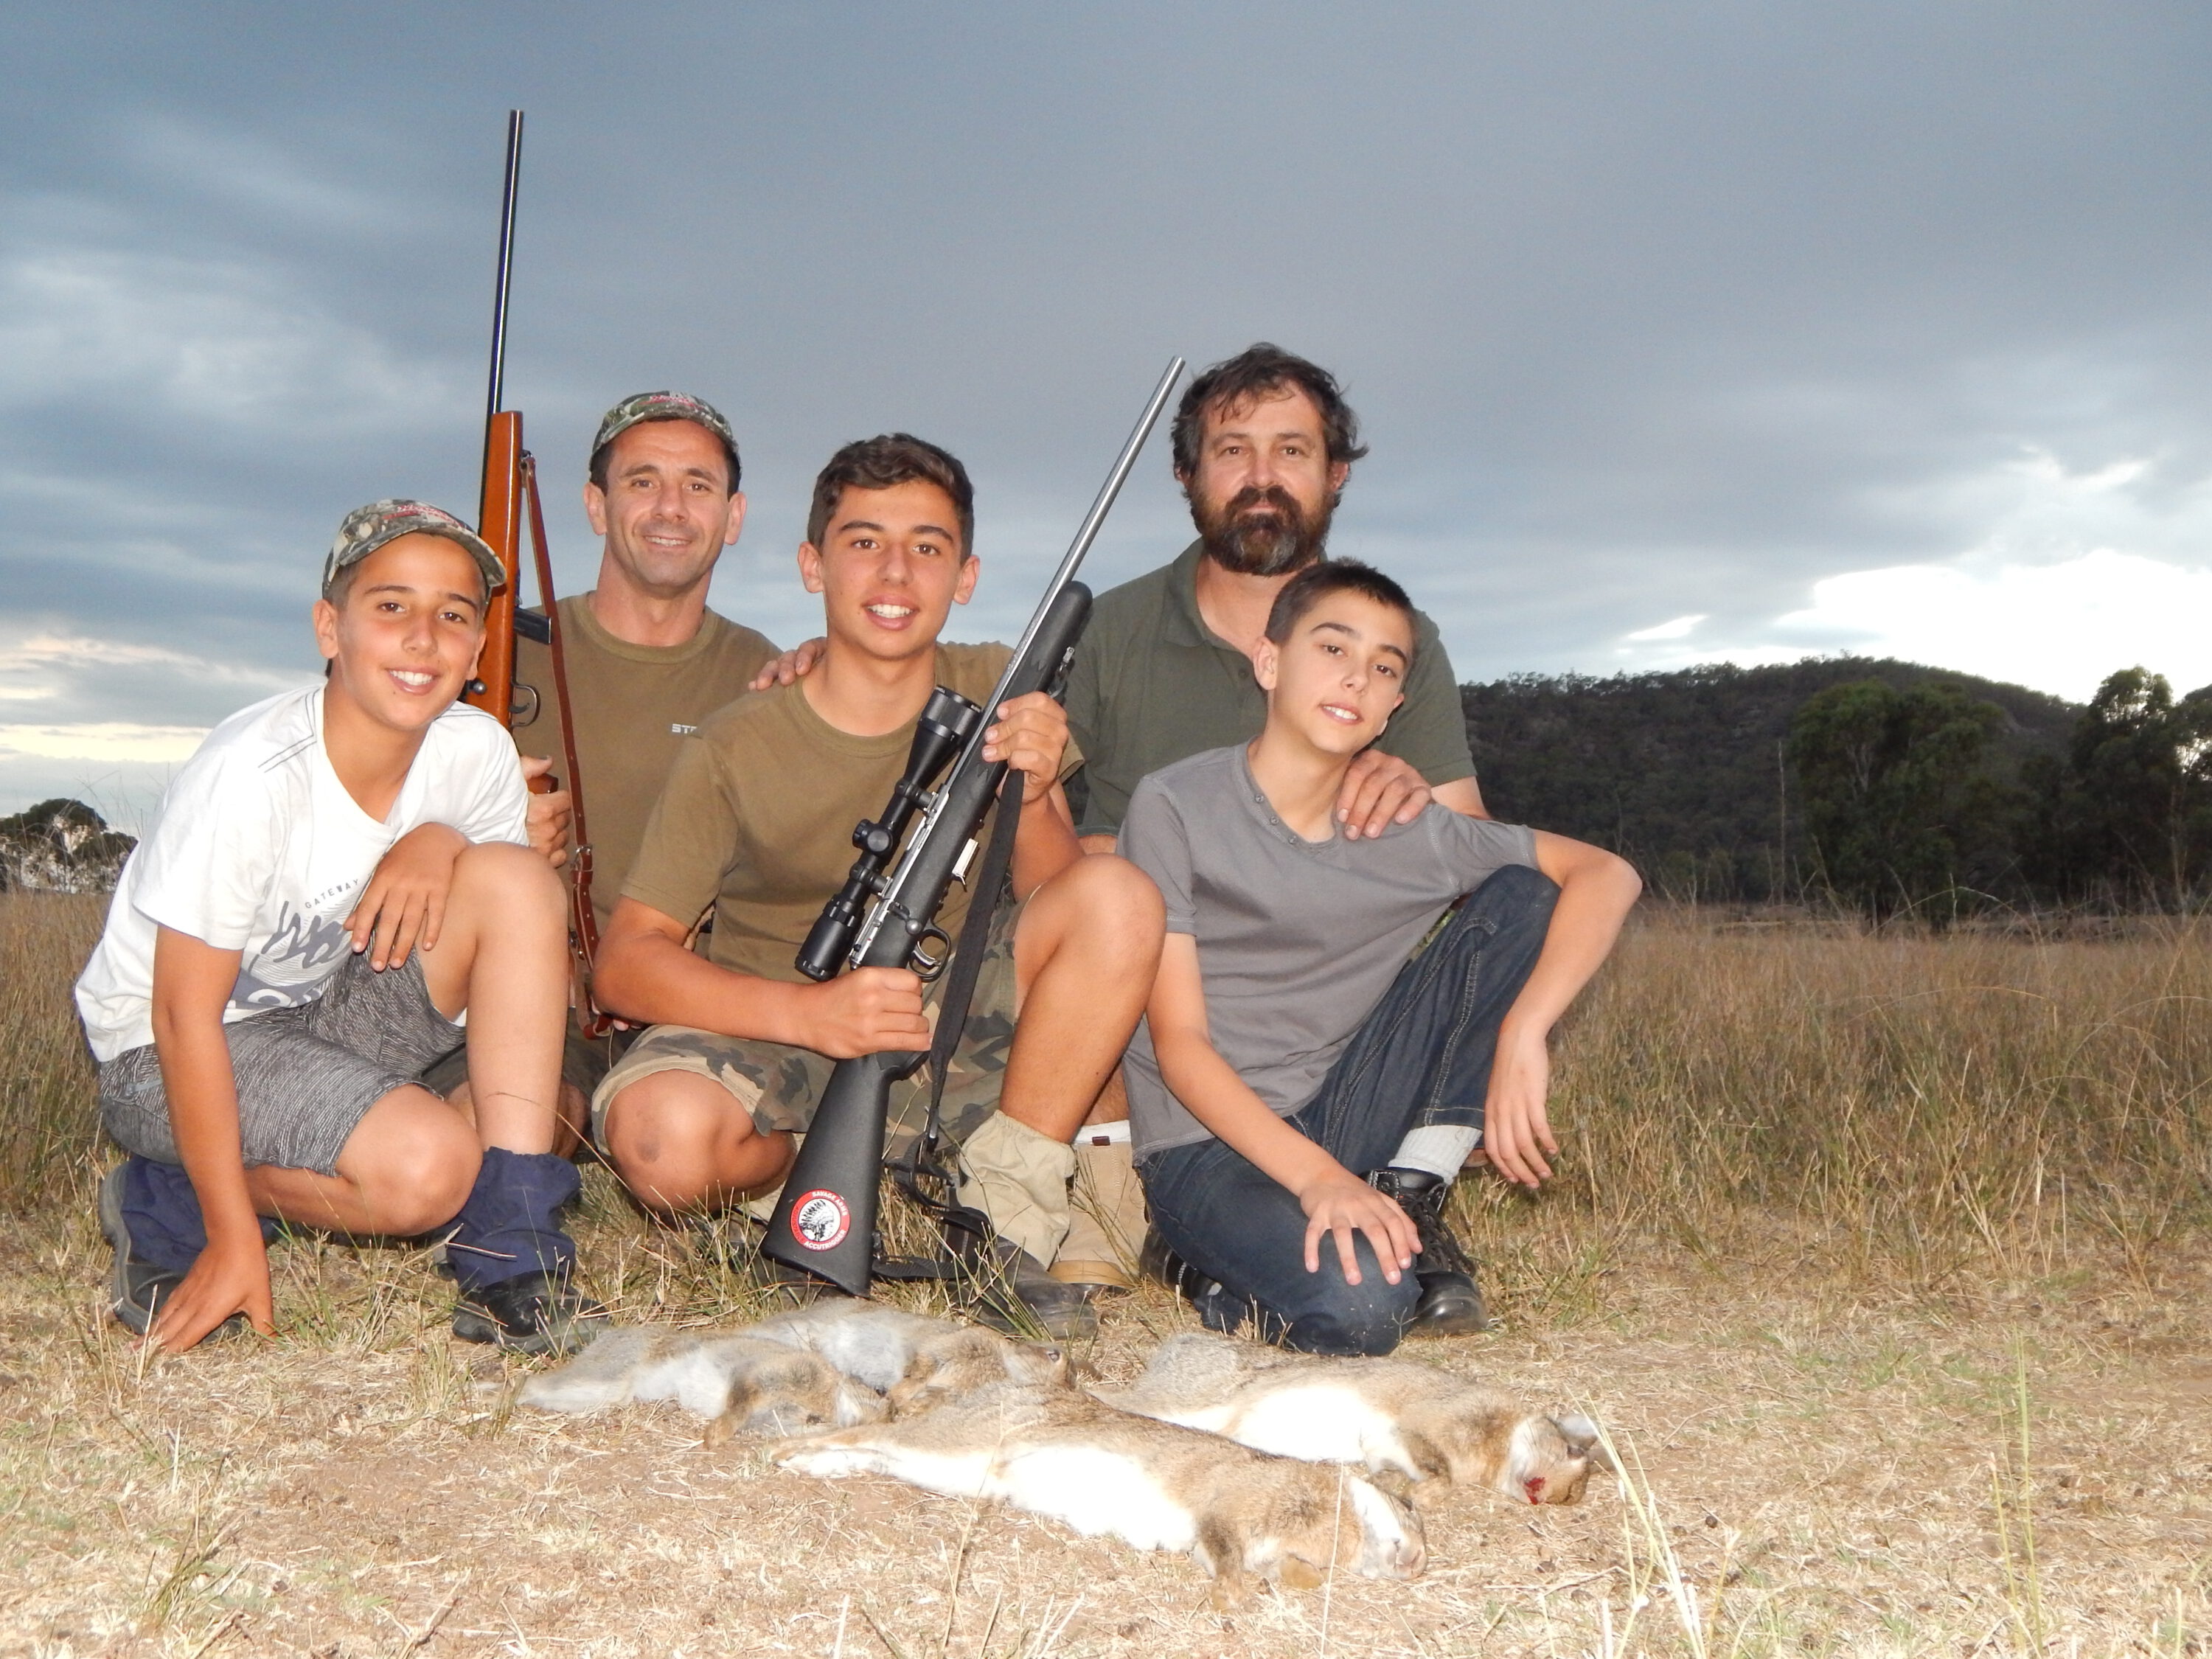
(1649, 310)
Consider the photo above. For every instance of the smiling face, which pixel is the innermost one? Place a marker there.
(1264, 488)
(403, 637)
(1337, 679)
(667, 511)
(889, 568)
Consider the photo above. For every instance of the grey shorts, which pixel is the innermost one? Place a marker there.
(306, 1075)
(778, 1084)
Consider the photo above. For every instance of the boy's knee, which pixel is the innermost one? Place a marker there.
(1118, 900)
(660, 1133)
(422, 1182)
(1338, 1317)
(1519, 894)
(516, 874)
(1360, 1320)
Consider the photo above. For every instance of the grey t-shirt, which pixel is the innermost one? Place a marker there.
(1297, 939)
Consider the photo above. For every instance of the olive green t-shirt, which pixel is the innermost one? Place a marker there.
(633, 706)
(758, 817)
(1153, 684)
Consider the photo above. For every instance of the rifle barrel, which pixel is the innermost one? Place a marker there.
(495, 397)
(1087, 533)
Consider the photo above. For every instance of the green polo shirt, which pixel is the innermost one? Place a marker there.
(1153, 684)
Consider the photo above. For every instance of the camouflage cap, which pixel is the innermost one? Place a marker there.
(367, 528)
(641, 406)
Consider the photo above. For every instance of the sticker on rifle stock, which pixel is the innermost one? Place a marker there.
(819, 1221)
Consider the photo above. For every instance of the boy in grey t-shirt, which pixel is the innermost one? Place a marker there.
(1296, 1077)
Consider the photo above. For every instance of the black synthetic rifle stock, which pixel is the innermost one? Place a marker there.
(825, 1222)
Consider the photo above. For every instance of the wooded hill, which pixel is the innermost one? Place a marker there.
(1689, 774)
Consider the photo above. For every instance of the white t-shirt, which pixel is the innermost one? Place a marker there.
(259, 849)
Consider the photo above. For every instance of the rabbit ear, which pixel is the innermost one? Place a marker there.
(1582, 1438)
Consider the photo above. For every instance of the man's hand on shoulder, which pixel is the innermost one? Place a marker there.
(405, 903)
(1030, 735)
(548, 817)
(793, 665)
(1379, 790)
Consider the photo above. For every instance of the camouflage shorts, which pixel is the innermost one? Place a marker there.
(779, 1085)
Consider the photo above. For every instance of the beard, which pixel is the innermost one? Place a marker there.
(1262, 532)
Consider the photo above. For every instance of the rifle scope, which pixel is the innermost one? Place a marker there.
(946, 722)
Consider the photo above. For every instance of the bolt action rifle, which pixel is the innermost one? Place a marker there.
(510, 497)
(825, 1221)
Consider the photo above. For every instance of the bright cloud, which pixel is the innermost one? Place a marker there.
(104, 742)
(2059, 627)
(2075, 574)
(35, 667)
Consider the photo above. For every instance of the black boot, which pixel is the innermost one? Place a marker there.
(1009, 1288)
(1450, 1304)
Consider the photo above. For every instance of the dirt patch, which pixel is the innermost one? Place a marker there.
(1827, 1473)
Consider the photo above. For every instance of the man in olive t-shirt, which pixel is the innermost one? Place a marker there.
(647, 660)
(1264, 442)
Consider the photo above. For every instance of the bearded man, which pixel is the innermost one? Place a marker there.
(1264, 442)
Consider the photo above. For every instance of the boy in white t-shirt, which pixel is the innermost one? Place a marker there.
(338, 878)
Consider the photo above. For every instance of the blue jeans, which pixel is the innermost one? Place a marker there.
(1422, 1056)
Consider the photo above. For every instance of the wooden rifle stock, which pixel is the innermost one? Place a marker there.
(508, 501)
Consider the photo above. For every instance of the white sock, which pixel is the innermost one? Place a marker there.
(1439, 1148)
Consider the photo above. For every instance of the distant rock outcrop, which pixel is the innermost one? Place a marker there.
(61, 847)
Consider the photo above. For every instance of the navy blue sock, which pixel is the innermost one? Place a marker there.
(162, 1212)
(510, 1226)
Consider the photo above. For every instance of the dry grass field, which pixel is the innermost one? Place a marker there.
(1883, 1261)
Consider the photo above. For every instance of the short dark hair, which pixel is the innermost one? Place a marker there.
(598, 470)
(1326, 576)
(1256, 372)
(884, 463)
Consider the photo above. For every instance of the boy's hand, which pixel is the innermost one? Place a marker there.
(405, 903)
(1338, 1202)
(548, 817)
(228, 1279)
(1031, 736)
(1379, 790)
(868, 1010)
(793, 665)
(1516, 1131)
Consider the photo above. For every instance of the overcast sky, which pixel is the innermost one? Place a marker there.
(1679, 332)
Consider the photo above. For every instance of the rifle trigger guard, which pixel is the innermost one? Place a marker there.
(926, 967)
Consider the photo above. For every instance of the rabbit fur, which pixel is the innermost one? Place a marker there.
(1396, 1417)
(743, 1382)
(914, 1361)
(1057, 1452)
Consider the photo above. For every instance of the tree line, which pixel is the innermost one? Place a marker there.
(61, 847)
(1885, 787)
